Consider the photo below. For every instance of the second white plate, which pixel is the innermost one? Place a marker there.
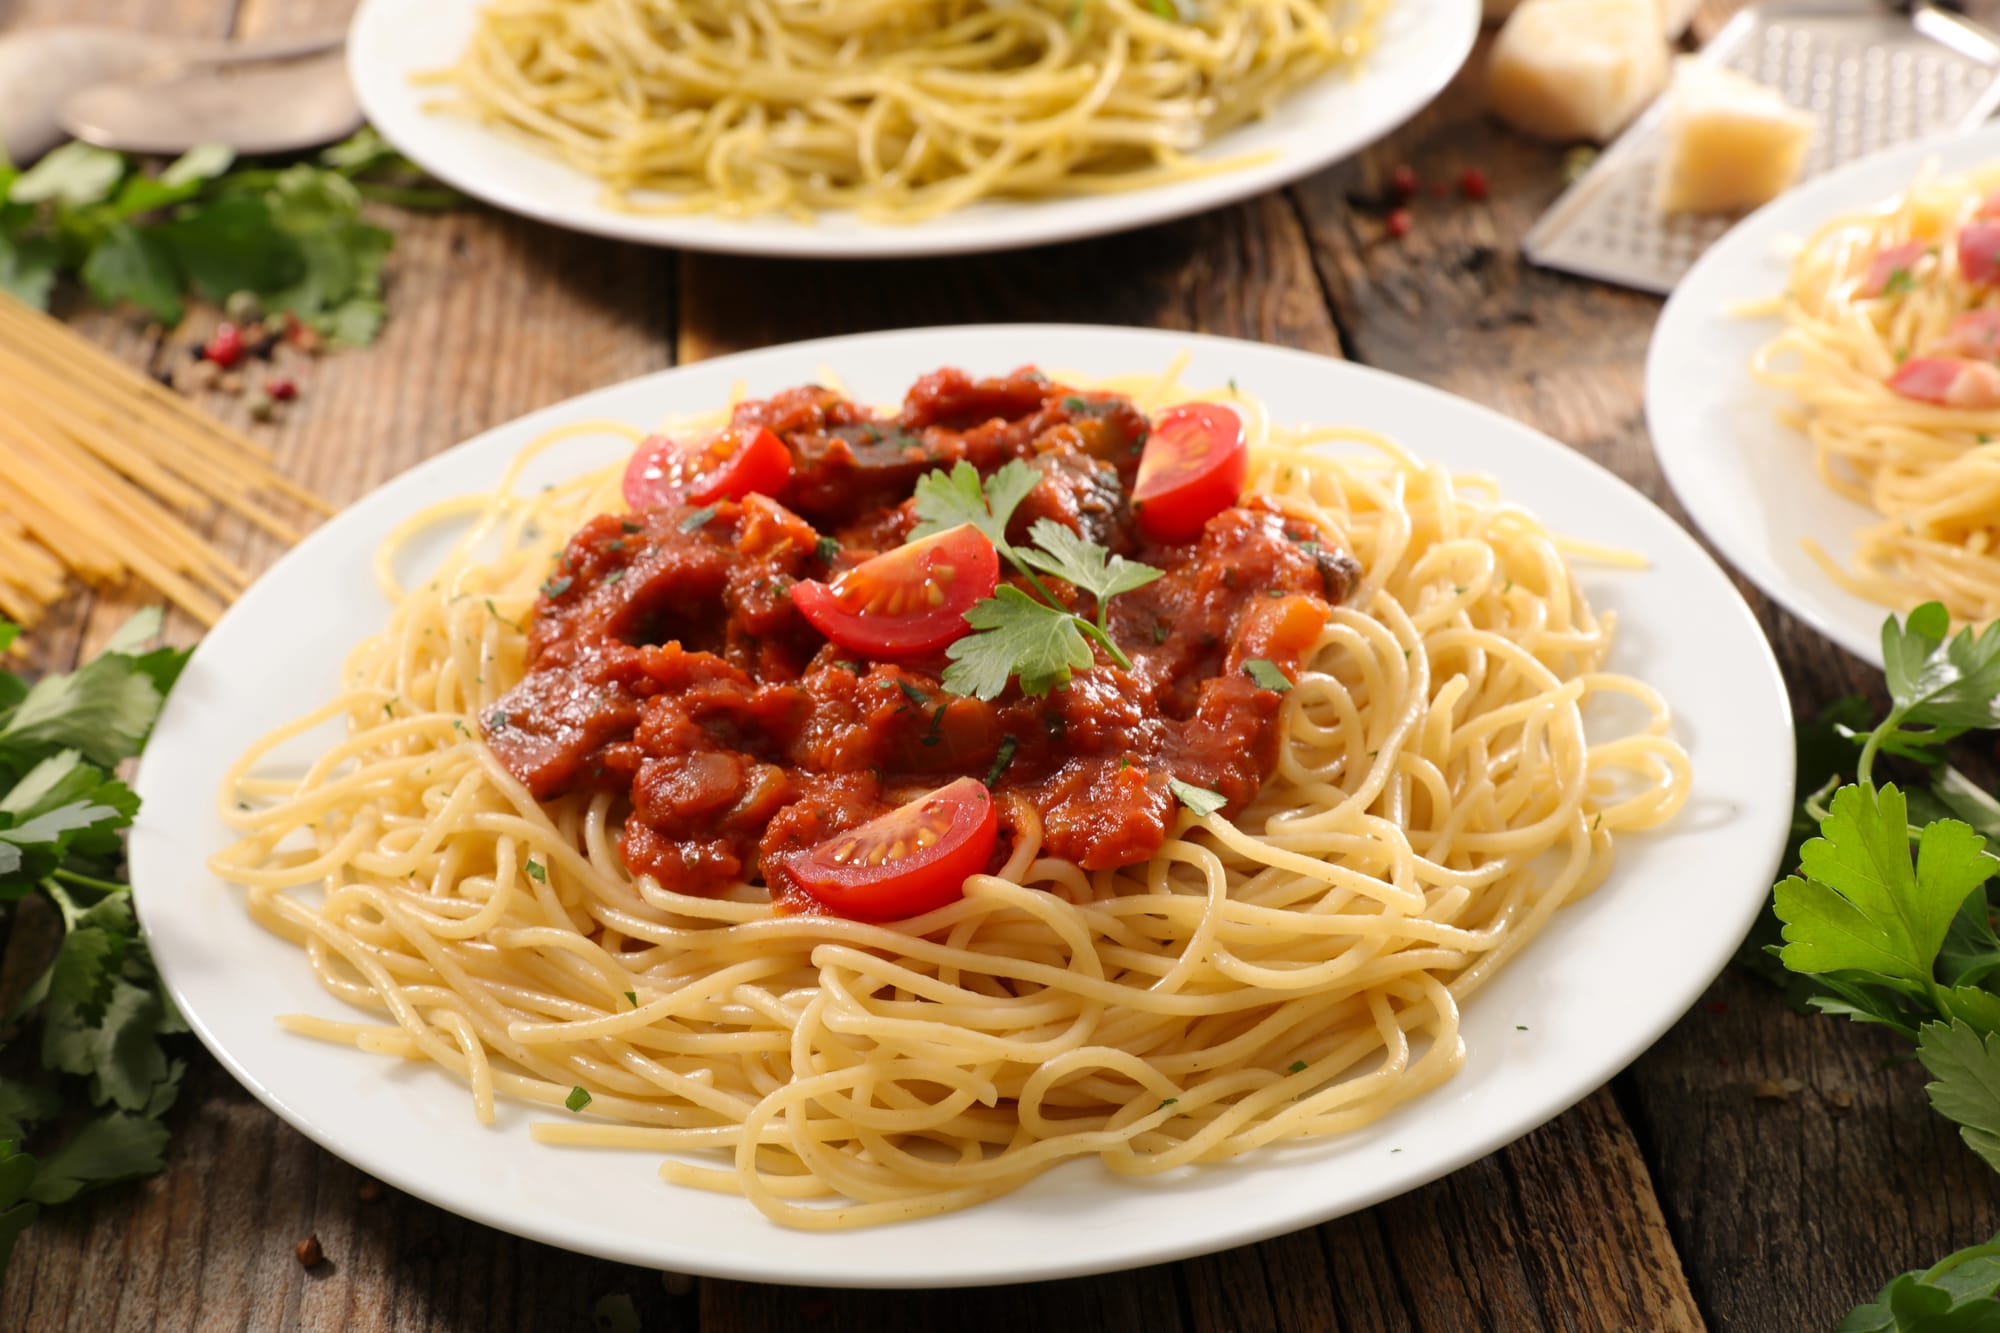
(1420, 46)
(1745, 479)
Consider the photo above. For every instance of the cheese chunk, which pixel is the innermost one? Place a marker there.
(1732, 143)
(1675, 15)
(1577, 69)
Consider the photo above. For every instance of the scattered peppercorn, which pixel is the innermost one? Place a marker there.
(261, 405)
(282, 389)
(1398, 222)
(308, 1252)
(1403, 181)
(1473, 185)
(370, 1191)
(225, 345)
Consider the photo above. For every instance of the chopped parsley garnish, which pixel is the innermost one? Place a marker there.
(578, 1099)
(695, 521)
(1267, 674)
(913, 694)
(1161, 629)
(556, 587)
(1008, 745)
(629, 526)
(935, 735)
(1297, 1067)
(494, 611)
(826, 550)
(1900, 281)
(614, 576)
(536, 872)
(498, 722)
(1171, 1101)
(632, 998)
(1198, 799)
(1033, 638)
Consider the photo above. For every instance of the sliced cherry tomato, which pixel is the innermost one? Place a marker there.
(907, 862)
(907, 601)
(1192, 470)
(727, 465)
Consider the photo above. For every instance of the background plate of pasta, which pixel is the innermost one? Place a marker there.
(1824, 391)
(963, 805)
(890, 127)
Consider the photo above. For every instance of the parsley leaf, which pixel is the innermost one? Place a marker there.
(578, 1099)
(944, 500)
(692, 523)
(1267, 675)
(1966, 1068)
(1198, 799)
(1022, 637)
(1860, 905)
(1957, 1295)
(1084, 564)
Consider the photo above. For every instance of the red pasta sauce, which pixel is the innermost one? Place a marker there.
(667, 663)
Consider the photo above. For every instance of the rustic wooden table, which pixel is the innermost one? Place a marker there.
(1675, 1198)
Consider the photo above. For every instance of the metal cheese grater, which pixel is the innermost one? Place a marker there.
(1871, 78)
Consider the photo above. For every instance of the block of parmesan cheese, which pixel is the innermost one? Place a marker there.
(1577, 69)
(1732, 143)
(1675, 15)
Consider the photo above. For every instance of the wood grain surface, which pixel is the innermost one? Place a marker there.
(1676, 1198)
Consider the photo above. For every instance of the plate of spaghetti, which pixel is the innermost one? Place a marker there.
(892, 127)
(1824, 391)
(882, 812)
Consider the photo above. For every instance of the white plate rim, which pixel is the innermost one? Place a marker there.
(1425, 42)
(1706, 439)
(1749, 791)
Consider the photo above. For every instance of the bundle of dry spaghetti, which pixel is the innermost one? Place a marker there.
(898, 109)
(104, 472)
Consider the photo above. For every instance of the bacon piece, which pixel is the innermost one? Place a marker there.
(1974, 334)
(1979, 251)
(1948, 382)
(1887, 264)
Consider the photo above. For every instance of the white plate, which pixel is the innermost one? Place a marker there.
(1599, 986)
(1421, 45)
(1747, 480)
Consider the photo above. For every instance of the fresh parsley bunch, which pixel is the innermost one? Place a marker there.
(1890, 920)
(292, 235)
(84, 1074)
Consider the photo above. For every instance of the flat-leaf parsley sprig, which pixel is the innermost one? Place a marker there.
(1034, 638)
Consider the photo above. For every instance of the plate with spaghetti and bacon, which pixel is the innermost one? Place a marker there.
(964, 805)
(1824, 391)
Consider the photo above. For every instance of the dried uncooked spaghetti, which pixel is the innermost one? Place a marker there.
(101, 470)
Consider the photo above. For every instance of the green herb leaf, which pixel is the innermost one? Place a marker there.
(695, 521)
(113, 1147)
(1083, 564)
(1198, 799)
(1942, 684)
(1021, 637)
(943, 500)
(74, 175)
(1861, 906)
(536, 872)
(204, 161)
(1267, 675)
(578, 1099)
(1002, 758)
(1966, 1068)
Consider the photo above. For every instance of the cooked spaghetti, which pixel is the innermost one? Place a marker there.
(897, 109)
(1292, 969)
(1890, 343)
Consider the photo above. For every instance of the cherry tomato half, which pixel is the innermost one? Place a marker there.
(727, 465)
(907, 862)
(907, 601)
(1192, 470)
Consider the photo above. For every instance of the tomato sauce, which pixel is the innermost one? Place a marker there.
(667, 663)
